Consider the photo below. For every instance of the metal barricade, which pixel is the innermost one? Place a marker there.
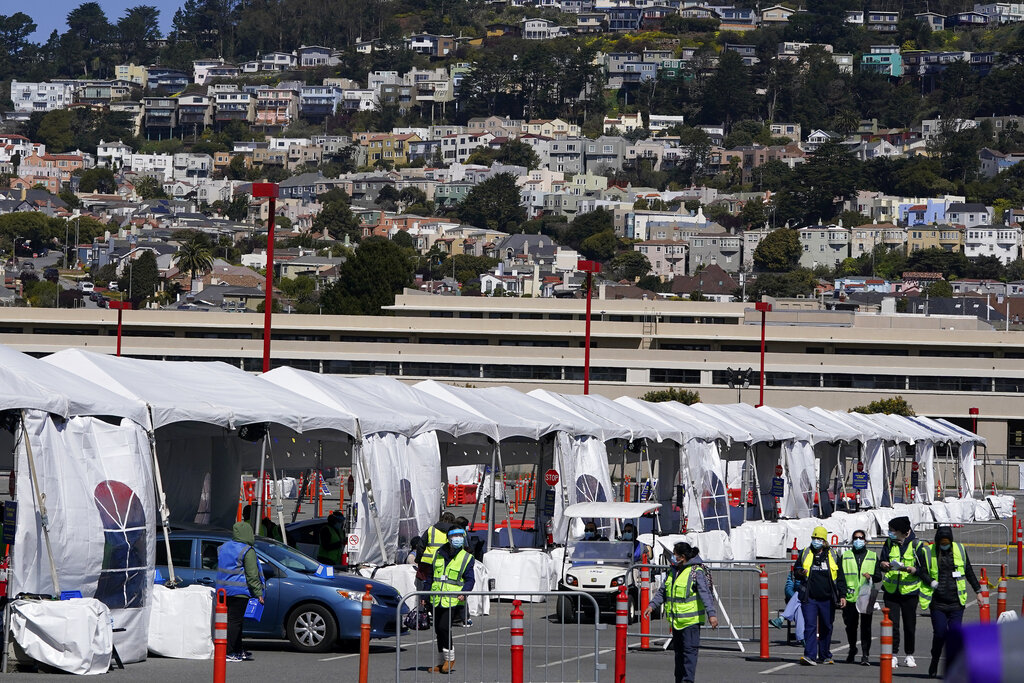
(562, 636)
(988, 544)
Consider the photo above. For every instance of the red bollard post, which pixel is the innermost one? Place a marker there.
(885, 670)
(220, 637)
(364, 638)
(1001, 596)
(983, 607)
(764, 613)
(621, 623)
(793, 554)
(517, 642)
(645, 600)
(1020, 549)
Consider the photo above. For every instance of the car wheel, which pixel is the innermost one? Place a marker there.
(566, 610)
(311, 628)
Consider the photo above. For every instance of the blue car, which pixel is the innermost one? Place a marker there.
(313, 612)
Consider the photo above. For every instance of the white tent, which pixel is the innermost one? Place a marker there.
(86, 518)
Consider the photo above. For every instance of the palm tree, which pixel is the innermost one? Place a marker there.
(194, 256)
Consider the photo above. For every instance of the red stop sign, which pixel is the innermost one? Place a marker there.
(914, 467)
(778, 470)
(860, 467)
(351, 484)
(551, 478)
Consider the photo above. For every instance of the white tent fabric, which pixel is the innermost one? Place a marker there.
(636, 424)
(31, 383)
(606, 428)
(967, 435)
(582, 465)
(213, 393)
(825, 422)
(924, 456)
(663, 411)
(98, 486)
(761, 429)
(801, 481)
(967, 464)
(707, 503)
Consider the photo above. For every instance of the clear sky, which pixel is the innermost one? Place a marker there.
(50, 14)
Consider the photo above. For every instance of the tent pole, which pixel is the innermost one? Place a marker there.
(757, 481)
(529, 484)
(687, 475)
(371, 502)
(490, 495)
(278, 501)
(258, 518)
(841, 464)
(479, 499)
(504, 494)
(744, 485)
(41, 503)
(165, 513)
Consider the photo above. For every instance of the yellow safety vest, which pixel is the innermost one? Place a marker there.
(854, 575)
(448, 578)
(808, 557)
(932, 562)
(683, 606)
(898, 582)
(435, 539)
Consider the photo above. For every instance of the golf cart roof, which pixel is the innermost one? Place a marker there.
(615, 510)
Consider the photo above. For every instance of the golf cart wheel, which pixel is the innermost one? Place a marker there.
(311, 628)
(566, 610)
(632, 613)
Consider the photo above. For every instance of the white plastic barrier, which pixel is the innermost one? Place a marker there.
(526, 570)
(74, 635)
(940, 513)
(180, 624)
(1003, 504)
(960, 511)
(743, 540)
(882, 517)
(983, 511)
(401, 577)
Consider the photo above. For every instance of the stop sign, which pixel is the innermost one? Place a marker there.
(551, 478)
(778, 470)
(860, 467)
(914, 467)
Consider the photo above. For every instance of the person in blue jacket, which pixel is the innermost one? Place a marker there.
(239, 574)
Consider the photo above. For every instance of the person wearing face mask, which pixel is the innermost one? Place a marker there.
(901, 585)
(629, 534)
(689, 602)
(590, 533)
(332, 541)
(945, 571)
(453, 578)
(859, 565)
(824, 586)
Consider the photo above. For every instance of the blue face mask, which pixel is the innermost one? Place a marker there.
(945, 546)
(858, 544)
(457, 541)
(892, 535)
(588, 535)
(817, 543)
(628, 536)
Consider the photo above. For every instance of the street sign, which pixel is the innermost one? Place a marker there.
(351, 485)
(549, 503)
(915, 478)
(914, 467)
(778, 488)
(860, 466)
(860, 479)
(778, 470)
(551, 478)
(353, 542)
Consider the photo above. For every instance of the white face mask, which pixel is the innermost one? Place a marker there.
(457, 541)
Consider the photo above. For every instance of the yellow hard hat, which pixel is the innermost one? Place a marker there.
(819, 532)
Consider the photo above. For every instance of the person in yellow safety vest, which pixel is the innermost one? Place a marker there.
(823, 588)
(689, 602)
(433, 538)
(332, 541)
(859, 567)
(267, 527)
(945, 571)
(901, 585)
(453, 577)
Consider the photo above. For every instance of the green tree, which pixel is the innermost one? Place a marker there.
(600, 247)
(779, 251)
(494, 204)
(894, 405)
(369, 280)
(629, 265)
(817, 188)
(403, 239)
(55, 130)
(337, 219)
(139, 278)
(585, 225)
(940, 289)
(685, 396)
(194, 257)
(149, 187)
(98, 179)
(795, 283)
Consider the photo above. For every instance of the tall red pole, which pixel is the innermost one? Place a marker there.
(268, 304)
(764, 614)
(586, 341)
(763, 307)
(119, 312)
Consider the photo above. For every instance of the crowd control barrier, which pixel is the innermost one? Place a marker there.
(520, 640)
(988, 544)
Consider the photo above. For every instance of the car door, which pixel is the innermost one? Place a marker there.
(181, 555)
(271, 623)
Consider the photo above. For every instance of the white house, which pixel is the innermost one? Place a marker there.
(112, 154)
(1000, 241)
(30, 97)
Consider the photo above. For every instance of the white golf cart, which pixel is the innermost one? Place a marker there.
(598, 568)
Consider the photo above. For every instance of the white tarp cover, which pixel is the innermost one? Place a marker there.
(180, 624)
(527, 419)
(638, 425)
(688, 426)
(604, 428)
(98, 483)
(406, 478)
(616, 510)
(966, 434)
(967, 461)
(874, 457)
(798, 456)
(924, 456)
(213, 393)
(582, 465)
(706, 490)
(30, 383)
(71, 635)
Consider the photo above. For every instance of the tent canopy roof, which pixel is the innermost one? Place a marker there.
(34, 384)
(512, 413)
(213, 393)
(688, 426)
(614, 510)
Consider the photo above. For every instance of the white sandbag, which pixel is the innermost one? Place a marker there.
(882, 516)
(799, 530)
(919, 513)
(1003, 504)
(74, 635)
(744, 543)
(940, 512)
(958, 509)
(524, 570)
(769, 539)
(180, 625)
(983, 511)
(401, 577)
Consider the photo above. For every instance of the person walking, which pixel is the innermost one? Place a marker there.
(901, 585)
(332, 541)
(433, 538)
(946, 570)
(823, 587)
(859, 566)
(689, 603)
(239, 574)
(453, 578)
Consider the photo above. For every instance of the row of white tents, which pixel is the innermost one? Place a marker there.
(100, 445)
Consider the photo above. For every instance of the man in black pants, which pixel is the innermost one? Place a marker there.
(901, 585)
(453, 578)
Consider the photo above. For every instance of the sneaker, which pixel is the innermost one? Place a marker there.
(895, 662)
(829, 660)
(851, 656)
(247, 656)
(865, 660)
(235, 658)
(807, 661)
(777, 622)
(911, 664)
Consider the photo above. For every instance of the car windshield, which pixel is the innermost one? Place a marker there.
(289, 557)
(606, 551)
